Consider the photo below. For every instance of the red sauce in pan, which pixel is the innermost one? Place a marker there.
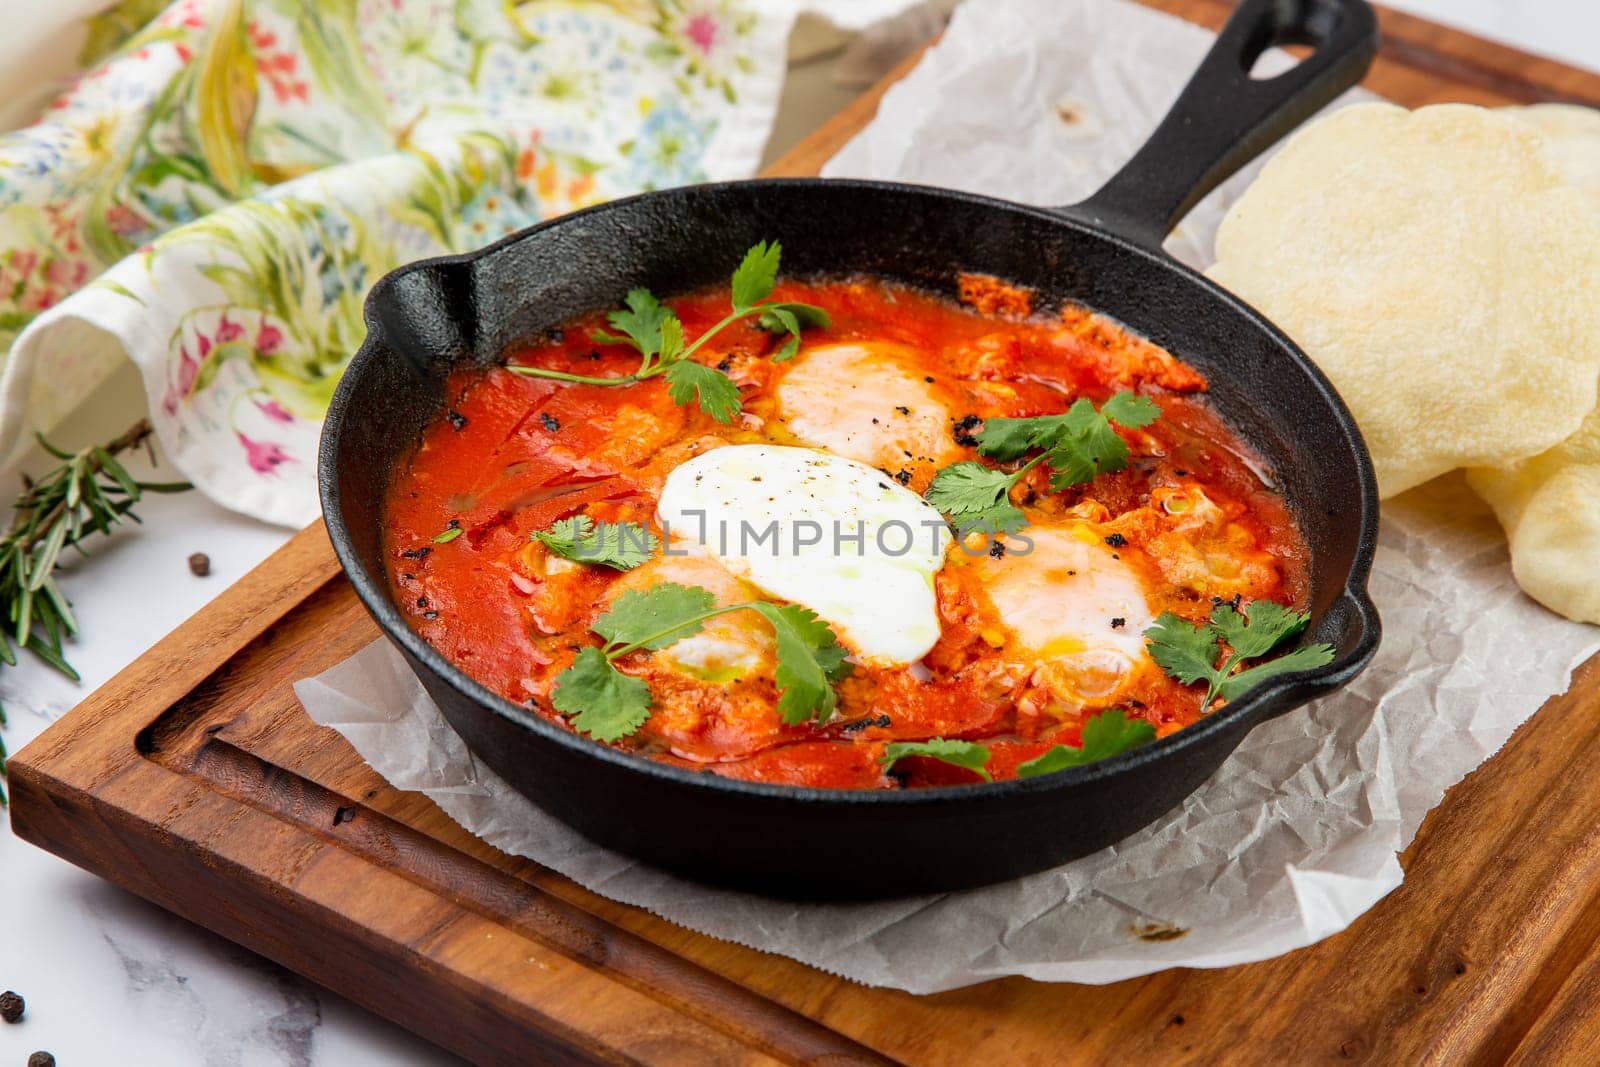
(1190, 517)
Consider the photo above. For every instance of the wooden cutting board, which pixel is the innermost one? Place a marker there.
(194, 779)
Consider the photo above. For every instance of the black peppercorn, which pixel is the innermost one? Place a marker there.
(12, 1006)
(41, 1059)
(962, 431)
(199, 564)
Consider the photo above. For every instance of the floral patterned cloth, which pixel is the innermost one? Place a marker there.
(215, 198)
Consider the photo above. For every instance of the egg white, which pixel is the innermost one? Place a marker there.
(755, 506)
(860, 400)
(1072, 602)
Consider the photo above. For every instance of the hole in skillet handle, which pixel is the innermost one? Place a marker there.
(1224, 118)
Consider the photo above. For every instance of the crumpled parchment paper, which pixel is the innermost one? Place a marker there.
(1297, 834)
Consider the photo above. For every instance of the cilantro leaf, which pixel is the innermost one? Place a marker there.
(965, 754)
(1079, 444)
(600, 700)
(715, 391)
(1087, 447)
(1108, 734)
(791, 319)
(653, 618)
(1305, 658)
(640, 322)
(619, 545)
(671, 338)
(1189, 651)
(784, 319)
(757, 274)
(1008, 439)
(974, 496)
(1269, 625)
(1184, 650)
(810, 658)
(806, 316)
(1130, 409)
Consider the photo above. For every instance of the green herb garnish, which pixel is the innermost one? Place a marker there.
(449, 533)
(1190, 651)
(966, 754)
(1077, 444)
(619, 545)
(1108, 734)
(90, 492)
(656, 333)
(607, 705)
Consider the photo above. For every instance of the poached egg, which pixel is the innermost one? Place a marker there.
(1070, 602)
(860, 400)
(820, 530)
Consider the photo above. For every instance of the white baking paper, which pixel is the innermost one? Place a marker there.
(1297, 834)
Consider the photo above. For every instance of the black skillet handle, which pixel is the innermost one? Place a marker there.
(1224, 118)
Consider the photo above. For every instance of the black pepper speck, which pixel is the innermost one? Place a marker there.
(457, 420)
(549, 422)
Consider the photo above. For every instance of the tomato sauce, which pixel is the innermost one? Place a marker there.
(1192, 514)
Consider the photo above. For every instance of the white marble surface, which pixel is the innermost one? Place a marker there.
(110, 979)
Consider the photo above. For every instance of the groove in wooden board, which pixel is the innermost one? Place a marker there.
(1506, 862)
(516, 904)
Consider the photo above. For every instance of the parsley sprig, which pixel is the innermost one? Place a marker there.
(1078, 444)
(656, 333)
(967, 754)
(1107, 734)
(1190, 651)
(608, 705)
(619, 545)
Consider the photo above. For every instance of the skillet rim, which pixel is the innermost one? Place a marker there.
(1272, 698)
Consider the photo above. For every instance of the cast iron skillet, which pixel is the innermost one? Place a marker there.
(429, 318)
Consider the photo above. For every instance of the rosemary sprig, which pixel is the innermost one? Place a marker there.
(89, 493)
